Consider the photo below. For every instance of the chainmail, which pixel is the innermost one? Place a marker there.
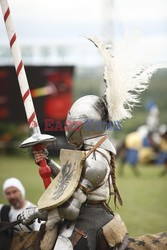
(87, 221)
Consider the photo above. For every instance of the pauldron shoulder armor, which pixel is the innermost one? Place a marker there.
(95, 172)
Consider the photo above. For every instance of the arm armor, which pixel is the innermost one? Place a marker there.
(96, 171)
(31, 213)
(55, 168)
(70, 209)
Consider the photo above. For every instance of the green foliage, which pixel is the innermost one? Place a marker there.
(11, 135)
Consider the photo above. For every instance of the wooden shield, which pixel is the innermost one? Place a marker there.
(63, 186)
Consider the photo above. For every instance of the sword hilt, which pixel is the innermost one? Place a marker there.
(38, 142)
(44, 169)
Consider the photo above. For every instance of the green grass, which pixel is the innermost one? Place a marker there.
(145, 198)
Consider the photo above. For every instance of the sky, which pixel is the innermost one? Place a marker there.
(63, 25)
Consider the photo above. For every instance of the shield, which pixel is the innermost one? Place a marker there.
(65, 183)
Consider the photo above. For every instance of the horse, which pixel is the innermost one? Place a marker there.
(21, 240)
(137, 148)
(31, 241)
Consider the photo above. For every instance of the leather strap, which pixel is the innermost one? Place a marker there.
(82, 233)
(77, 235)
(96, 146)
(102, 202)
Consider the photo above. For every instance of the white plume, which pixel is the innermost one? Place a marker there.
(126, 74)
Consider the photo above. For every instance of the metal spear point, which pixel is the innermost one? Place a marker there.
(37, 140)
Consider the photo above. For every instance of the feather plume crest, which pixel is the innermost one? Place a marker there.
(126, 74)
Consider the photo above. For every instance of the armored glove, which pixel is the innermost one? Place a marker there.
(30, 214)
(39, 155)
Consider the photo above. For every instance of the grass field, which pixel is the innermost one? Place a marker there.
(145, 197)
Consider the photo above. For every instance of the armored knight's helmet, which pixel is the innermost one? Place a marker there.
(125, 79)
(87, 118)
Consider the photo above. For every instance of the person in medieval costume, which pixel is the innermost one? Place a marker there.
(84, 221)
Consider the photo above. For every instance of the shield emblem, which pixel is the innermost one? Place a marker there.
(65, 183)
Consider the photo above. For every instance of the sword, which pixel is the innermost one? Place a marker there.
(37, 140)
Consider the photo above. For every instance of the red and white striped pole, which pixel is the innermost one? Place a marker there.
(20, 71)
(37, 139)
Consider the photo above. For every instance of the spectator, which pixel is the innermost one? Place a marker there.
(14, 193)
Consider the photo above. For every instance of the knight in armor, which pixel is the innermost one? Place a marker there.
(85, 221)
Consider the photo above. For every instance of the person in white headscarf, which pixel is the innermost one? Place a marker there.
(14, 193)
